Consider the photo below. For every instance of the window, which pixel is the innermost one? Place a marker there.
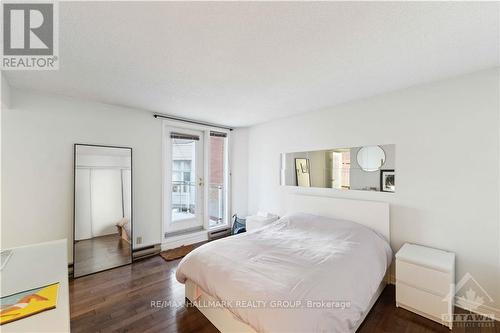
(183, 188)
(217, 182)
(181, 175)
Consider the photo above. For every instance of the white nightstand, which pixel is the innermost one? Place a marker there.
(425, 282)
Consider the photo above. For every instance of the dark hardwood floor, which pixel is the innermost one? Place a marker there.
(120, 300)
(100, 253)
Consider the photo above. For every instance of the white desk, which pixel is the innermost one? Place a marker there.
(34, 266)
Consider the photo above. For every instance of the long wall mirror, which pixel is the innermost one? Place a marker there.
(367, 168)
(103, 208)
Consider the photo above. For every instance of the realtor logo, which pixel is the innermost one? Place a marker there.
(29, 36)
(470, 295)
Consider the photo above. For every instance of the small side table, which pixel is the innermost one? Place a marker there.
(425, 282)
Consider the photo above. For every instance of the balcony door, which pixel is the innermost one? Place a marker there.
(184, 180)
(196, 179)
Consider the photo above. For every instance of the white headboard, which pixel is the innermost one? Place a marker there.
(372, 214)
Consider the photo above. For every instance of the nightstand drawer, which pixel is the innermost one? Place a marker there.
(424, 278)
(422, 301)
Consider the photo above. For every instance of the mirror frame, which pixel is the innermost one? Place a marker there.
(131, 206)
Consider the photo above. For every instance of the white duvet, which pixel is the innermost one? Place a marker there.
(303, 273)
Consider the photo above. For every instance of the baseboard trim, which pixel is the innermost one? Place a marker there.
(186, 239)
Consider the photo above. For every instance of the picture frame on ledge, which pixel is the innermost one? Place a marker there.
(387, 180)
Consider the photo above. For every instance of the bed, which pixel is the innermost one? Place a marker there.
(320, 268)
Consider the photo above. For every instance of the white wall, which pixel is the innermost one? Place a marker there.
(447, 141)
(4, 104)
(38, 133)
(239, 171)
(5, 92)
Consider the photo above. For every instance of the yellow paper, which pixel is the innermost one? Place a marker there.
(28, 303)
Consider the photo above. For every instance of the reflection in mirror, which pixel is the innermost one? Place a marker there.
(302, 172)
(103, 208)
(370, 158)
(369, 168)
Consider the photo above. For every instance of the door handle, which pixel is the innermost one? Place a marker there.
(200, 182)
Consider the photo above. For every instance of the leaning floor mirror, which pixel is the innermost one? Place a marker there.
(102, 208)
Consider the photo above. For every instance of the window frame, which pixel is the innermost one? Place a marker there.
(226, 180)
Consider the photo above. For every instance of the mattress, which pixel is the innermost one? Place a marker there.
(303, 273)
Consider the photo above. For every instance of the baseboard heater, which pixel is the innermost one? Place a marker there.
(145, 252)
(212, 235)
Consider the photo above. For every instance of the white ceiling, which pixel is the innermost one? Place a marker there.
(240, 64)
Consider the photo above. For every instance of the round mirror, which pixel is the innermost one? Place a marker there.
(371, 158)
